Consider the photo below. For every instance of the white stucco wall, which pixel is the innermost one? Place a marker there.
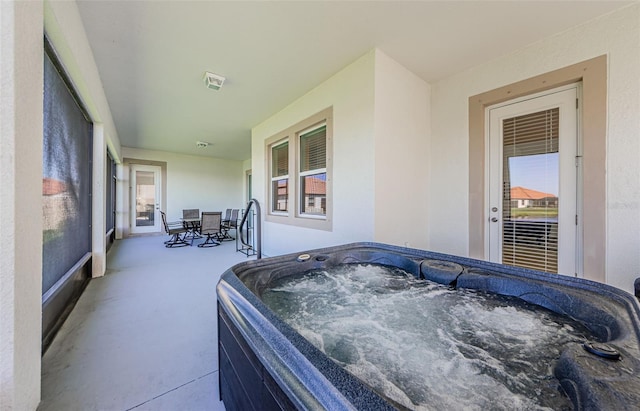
(402, 131)
(351, 94)
(618, 36)
(21, 84)
(209, 184)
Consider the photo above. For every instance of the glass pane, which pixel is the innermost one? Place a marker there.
(530, 194)
(280, 160)
(313, 149)
(145, 198)
(280, 197)
(313, 193)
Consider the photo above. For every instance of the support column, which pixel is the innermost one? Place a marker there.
(98, 195)
(21, 102)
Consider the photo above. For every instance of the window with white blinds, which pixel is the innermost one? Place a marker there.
(313, 171)
(299, 161)
(280, 177)
(530, 214)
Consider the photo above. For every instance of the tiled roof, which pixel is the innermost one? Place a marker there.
(51, 186)
(315, 186)
(521, 193)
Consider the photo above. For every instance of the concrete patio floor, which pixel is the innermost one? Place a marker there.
(144, 336)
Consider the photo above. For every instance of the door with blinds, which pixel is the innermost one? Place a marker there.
(533, 182)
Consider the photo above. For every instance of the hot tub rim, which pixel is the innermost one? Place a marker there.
(622, 300)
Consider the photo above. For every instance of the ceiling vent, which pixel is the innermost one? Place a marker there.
(213, 81)
(202, 144)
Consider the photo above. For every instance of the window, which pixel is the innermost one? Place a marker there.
(313, 171)
(280, 177)
(299, 167)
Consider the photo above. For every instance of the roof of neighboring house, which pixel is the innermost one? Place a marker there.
(51, 186)
(521, 193)
(315, 186)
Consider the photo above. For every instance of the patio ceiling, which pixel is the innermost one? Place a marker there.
(152, 55)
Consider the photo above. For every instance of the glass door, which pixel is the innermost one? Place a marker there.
(145, 199)
(533, 181)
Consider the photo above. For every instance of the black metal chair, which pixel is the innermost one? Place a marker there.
(176, 230)
(210, 226)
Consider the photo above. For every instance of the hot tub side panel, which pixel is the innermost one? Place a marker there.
(244, 382)
(271, 353)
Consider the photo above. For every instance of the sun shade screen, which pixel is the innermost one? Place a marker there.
(313, 172)
(530, 191)
(280, 177)
(66, 180)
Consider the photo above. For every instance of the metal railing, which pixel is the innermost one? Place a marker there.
(256, 245)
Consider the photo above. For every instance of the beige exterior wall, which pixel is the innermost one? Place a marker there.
(401, 159)
(616, 35)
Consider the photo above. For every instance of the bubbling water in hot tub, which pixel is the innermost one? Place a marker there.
(426, 346)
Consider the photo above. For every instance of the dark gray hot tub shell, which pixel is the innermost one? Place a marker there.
(265, 364)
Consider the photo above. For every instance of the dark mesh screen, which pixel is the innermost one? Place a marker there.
(111, 193)
(66, 180)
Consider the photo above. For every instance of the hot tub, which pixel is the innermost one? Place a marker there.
(266, 364)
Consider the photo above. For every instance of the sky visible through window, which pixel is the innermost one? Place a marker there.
(536, 172)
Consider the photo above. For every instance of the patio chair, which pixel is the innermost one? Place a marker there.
(210, 226)
(176, 230)
(230, 224)
(233, 223)
(191, 221)
(227, 217)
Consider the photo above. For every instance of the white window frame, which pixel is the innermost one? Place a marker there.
(272, 195)
(292, 135)
(302, 174)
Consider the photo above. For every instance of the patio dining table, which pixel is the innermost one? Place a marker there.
(192, 225)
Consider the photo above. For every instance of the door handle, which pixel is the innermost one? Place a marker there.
(494, 219)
